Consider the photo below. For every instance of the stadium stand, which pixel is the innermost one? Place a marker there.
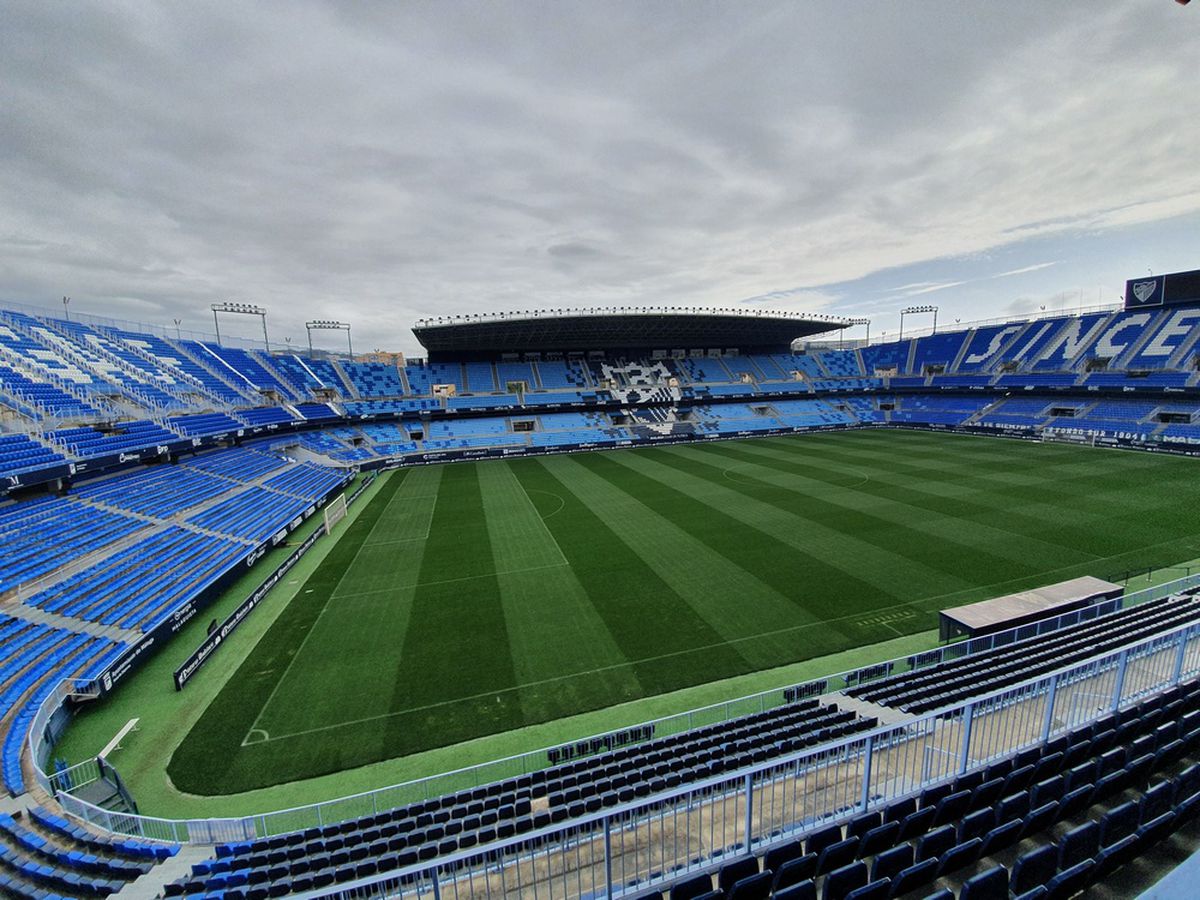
(174, 359)
(561, 374)
(1068, 795)
(42, 534)
(943, 684)
(120, 549)
(373, 379)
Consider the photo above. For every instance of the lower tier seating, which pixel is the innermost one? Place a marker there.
(319, 857)
(950, 682)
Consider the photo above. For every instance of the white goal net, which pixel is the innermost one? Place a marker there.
(335, 511)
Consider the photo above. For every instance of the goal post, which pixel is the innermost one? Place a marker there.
(335, 511)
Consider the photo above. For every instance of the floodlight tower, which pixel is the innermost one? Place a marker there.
(245, 309)
(328, 325)
(914, 310)
(850, 323)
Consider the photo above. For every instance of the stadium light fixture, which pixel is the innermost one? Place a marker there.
(858, 320)
(67, 308)
(915, 310)
(243, 309)
(328, 325)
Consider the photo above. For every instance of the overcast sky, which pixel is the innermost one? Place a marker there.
(378, 162)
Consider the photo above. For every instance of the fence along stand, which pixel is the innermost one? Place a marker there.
(608, 885)
(749, 788)
(1051, 698)
(1178, 670)
(868, 755)
(964, 761)
(1120, 680)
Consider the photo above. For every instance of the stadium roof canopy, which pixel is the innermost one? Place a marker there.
(620, 328)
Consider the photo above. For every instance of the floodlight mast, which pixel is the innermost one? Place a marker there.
(245, 309)
(850, 323)
(328, 325)
(914, 310)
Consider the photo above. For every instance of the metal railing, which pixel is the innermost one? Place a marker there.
(696, 828)
(212, 830)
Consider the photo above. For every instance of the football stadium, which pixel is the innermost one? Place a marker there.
(604, 602)
(558, 450)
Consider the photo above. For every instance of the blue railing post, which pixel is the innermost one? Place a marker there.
(608, 885)
(1119, 685)
(1178, 671)
(868, 757)
(964, 761)
(1051, 699)
(748, 787)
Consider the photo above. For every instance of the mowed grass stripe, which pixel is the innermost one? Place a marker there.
(656, 629)
(545, 606)
(1064, 502)
(945, 476)
(319, 685)
(1021, 510)
(457, 639)
(681, 543)
(212, 760)
(1125, 509)
(945, 541)
(803, 551)
(677, 557)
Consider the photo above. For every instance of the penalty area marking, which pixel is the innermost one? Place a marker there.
(561, 502)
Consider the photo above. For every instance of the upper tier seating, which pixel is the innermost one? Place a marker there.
(266, 415)
(937, 350)
(508, 372)
(839, 364)
(204, 423)
(374, 379)
(561, 374)
(246, 365)
(886, 356)
(175, 359)
(480, 377)
(41, 399)
(316, 411)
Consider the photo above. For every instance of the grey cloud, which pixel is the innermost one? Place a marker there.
(379, 161)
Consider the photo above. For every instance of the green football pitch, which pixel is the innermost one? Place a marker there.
(475, 598)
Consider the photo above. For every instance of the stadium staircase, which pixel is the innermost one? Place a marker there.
(348, 383)
(217, 372)
(66, 623)
(197, 393)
